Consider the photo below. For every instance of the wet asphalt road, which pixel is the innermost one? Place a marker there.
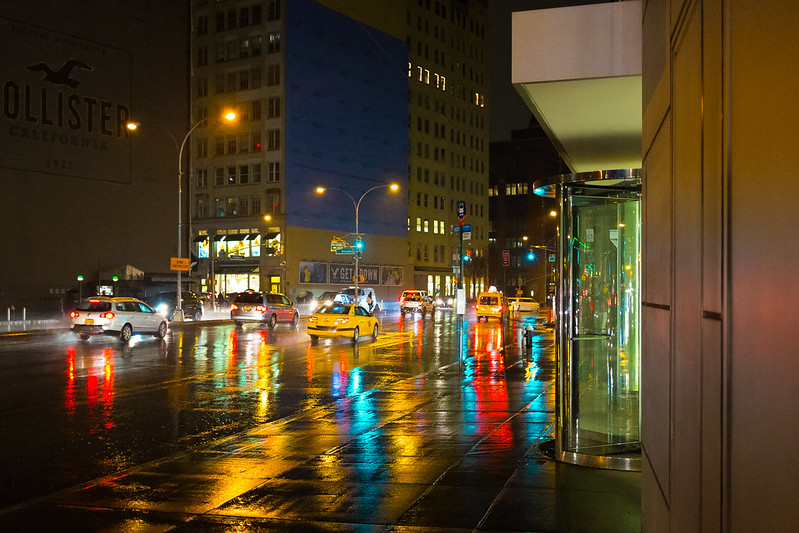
(332, 437)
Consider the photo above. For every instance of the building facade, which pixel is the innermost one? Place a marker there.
(396, 98)
(83, 196)
(522, 240)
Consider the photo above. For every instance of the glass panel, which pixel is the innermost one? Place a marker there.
(602, 325)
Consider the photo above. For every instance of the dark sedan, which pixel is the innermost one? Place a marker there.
(165, 303)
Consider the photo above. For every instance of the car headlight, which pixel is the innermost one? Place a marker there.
(162, 309)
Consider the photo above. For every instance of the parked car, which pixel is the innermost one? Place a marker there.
(522, 304)
(124, 317)
(165, 303)
(489, 304)
(342, 320)
(416, 303)
(267, 308)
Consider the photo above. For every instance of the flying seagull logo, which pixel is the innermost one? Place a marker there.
(62, 76)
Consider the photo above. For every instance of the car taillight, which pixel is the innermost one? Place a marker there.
(262, 308)
(108, 315)
(342, 321)
(233, 307)
(74, 314)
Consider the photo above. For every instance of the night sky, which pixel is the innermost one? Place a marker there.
(508, 111)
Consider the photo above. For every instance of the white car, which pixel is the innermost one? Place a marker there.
(523, 304)
(123, 317)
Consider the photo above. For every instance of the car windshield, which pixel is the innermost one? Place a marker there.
(250, 298)
(489, 300)
(94, 305)
(335, 309)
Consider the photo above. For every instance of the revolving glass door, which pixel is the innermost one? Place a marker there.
(599, 326)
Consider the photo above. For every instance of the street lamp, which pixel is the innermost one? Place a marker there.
(358, 241)
(132, 126)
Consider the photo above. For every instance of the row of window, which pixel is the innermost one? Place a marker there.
(249, 46)
(238, 175)
(457, 17)
(241, 143)
(238, 18)
(511, 189)
(473, 164)
(242, 80)
(423, 200)
(474, 119)
(422, 253)
(455, 136)
(236, 206)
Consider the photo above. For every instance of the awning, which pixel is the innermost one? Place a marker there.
(271, 235)
(238, 237)
(218, 238)
(201, 238)
(235, 269)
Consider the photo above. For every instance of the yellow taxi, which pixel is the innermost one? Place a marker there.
(342, 320)
(489, 304)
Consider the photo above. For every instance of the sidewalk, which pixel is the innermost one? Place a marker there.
(454, 449)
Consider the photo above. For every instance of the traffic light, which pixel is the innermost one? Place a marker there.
(359, 244)
(467, 256)
(530, 255)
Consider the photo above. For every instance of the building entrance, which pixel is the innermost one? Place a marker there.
(598, 324)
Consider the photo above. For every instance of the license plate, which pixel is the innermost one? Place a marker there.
(247, 308)
(89, 321)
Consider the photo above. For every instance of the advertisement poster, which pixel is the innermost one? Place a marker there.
(311, 272)
(391, 276)
(342, 273)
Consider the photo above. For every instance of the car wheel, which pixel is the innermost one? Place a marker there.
(84, 336)
(161, 332)
(356, 334)
(314, 339)
(374, 332)
(126, 333)
(295, 320)
(272, 321)
(238, 324)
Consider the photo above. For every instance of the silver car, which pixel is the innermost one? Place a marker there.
(125, 317)
(267, 308)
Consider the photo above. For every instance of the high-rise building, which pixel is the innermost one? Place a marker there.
(348, 96)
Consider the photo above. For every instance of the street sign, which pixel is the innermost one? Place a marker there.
(179, 263)
(551, 258)
(338, 245)
(456, 269)
(347, 250)
(464, 228)
(467, 235)
(505, 258)
(461, 210)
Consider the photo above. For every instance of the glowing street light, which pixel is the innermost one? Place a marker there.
(133, 126)
(358, 237)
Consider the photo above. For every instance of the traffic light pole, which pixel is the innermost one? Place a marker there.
(460, 301)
